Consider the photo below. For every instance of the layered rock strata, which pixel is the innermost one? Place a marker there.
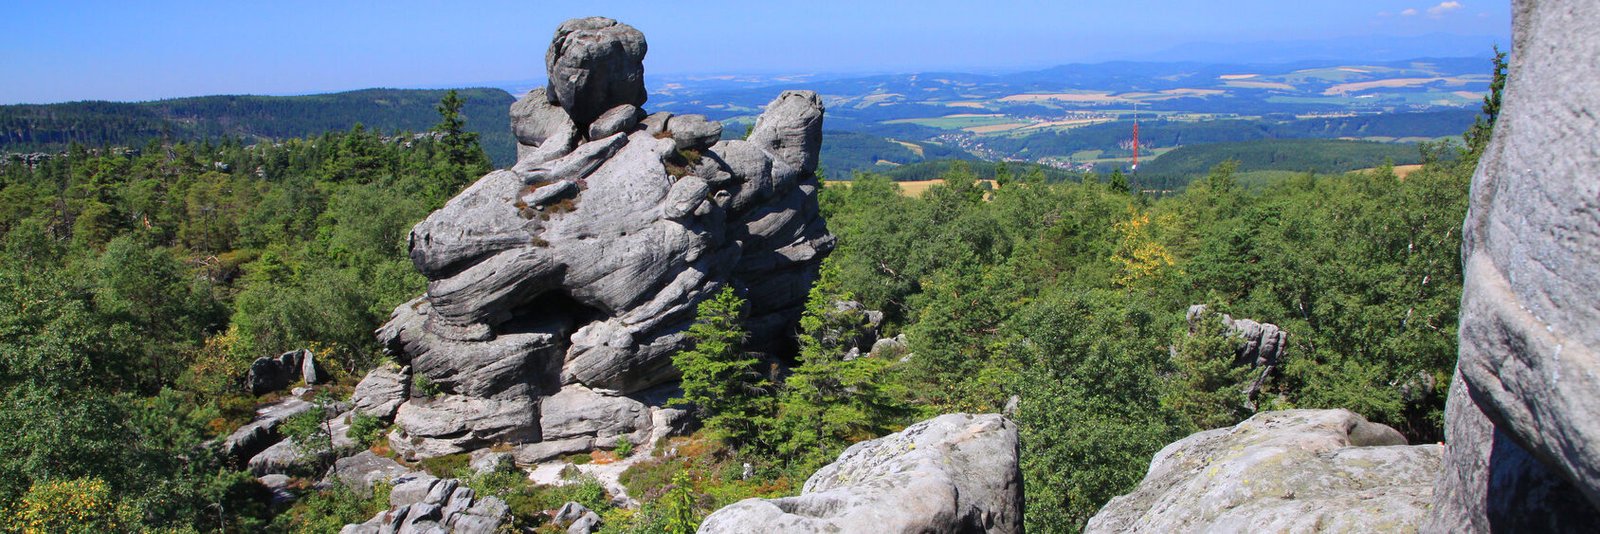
(558, 289)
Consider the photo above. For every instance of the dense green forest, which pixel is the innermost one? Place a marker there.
(136, 288)
(1299, 155)
(52, 127)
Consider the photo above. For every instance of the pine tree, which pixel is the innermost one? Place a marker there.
(720, 382)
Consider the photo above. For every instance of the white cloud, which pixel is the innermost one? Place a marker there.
(1408, 12)
(1443, 7)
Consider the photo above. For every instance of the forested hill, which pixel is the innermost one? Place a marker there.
(52, 127)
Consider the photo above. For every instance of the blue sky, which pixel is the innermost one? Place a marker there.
(52, 51)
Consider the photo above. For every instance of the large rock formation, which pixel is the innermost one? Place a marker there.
(952, 473)
(1523, 418)
(573, 275)
(1287, 471)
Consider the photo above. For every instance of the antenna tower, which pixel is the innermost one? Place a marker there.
(1135, 136)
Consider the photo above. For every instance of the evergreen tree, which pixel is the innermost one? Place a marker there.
(721, 383)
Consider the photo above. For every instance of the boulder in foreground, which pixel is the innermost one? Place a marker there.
(1285, 471)
(952, 473)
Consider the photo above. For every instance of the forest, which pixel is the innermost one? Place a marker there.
(137, 286)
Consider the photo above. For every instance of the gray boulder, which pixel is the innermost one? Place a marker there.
(620, 119)
(425, 504)
(577, 411)
(1285, 471)
(694, 132)
(283, 457)
(594, 65)
(365, 469)
(588, 524)
(262, 431)
(267, 375)
(570, 512)
(952, 473)
(454, 424)
(1523, 415)
(382, 391)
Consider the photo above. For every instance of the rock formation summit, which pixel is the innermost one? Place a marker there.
(559, 288)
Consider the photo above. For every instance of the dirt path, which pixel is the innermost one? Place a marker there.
(608, 474)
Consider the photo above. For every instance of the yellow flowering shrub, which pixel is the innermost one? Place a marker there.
(80, 505)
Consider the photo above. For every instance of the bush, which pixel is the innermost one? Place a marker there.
(624, 449)
(366, 429)
(80, 505)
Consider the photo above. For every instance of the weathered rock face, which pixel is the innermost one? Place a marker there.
(595, 64)
(421, 503)
(952, 473)
(1524, 411)
(382, 391)
(1261, 345)
(1287, 471)
(580, 268)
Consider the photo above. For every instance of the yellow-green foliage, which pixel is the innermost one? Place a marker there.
(80, 505)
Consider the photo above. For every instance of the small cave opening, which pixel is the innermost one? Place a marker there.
(553, 311)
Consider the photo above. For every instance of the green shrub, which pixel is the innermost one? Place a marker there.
(366, 429)
(624, 449)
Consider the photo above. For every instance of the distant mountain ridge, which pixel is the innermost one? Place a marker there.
(51, 127)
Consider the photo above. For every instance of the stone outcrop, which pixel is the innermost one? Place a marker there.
(1285, 471)
(1523, 415)
(952, 473)
(267, 375)
(421, 503)
(1261, 345)
(364, 470)
(262, 431)
(558, 289)
(382, 391)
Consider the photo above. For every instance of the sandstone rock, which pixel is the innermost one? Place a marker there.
(655, 123)
(694, 132)
(588, 524)
(428, 505)
(533, 453)
(1524, 409)
(1285, 471)
(262, 432)
(382, 391)
(575, 273)
(952, 473)
(791, 124)
(453, 424)
(620, 119)
(570, 512)
(411, 488)
(283, 457)
(486, 461)
(312, 372)
(266, 375)
(577, 411)
(595, 64)
(362, 471)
